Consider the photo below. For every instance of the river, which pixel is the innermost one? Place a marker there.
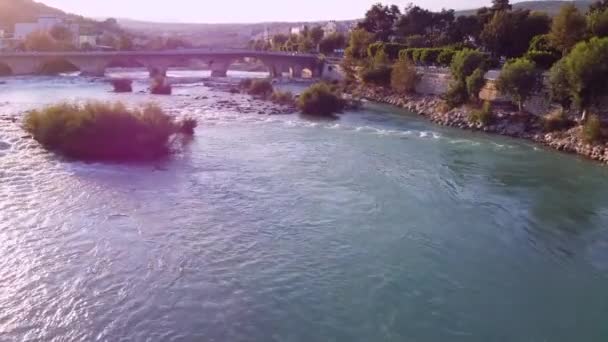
(379, 226)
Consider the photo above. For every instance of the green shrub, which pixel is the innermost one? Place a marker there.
(556, 120)
(465, 62)
(429, 56)
(261, 88)
(444, 58)
(282, 98)
(543, 59)
(457, 93)
(380, 76)
(592, 129)
(391, 50)
(105, 131)
(122, 85)
(475, 82)
(319, 99)
(482, 116)
(404, 76)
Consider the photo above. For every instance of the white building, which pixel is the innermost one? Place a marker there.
(87, 40)
(330, 28)
(44, 23)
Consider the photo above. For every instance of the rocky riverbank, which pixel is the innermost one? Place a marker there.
(506, 120)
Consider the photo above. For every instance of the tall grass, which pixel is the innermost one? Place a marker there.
(106, 131)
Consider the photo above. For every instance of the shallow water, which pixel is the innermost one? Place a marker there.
(376, 227)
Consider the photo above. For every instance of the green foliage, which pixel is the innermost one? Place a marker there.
(509, 33)
(556, 120)
(568, 28)
(391, 50)
(429, 56)
(40, 41)
(282, 98)
(61, 33)
(586, 68)
(465, 62)
(482, 116)
(561, 91)
(105, 131)
(592, 129)
(445, 57)
(598, 23)
(331, 43)
(404, 76)
(457, 93)
(380, 21)
(261, 88)
(321, 99)
(475, 82)
(542, 42)
(543, 59)
(122, 85)
(380, 76)
(519, 78)
(245, 84)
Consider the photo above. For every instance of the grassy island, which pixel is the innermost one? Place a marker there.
(107, 131)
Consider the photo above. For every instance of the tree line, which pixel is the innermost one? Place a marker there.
(388, 43)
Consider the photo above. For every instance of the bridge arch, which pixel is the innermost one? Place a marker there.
(56, 66)
(5, 69)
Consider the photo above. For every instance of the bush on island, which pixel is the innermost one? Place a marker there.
(282, 98)
(261, 88)
(122, 85)
(106, 131)
(320, 99)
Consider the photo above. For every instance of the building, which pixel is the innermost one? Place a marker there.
(85, 40)
(45, 23)
(330, 28)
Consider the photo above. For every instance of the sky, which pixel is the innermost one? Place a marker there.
(235, 11)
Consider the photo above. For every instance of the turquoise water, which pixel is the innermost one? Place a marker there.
(378, 226)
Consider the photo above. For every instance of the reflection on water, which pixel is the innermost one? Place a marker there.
(376, 227)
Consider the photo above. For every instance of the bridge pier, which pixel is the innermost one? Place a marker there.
(295, 71)
(219, 68)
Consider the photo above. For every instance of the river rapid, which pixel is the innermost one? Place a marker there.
(379, 226)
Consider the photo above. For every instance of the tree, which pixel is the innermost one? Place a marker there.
(61, 33)
(125, 43)
(509, 32)
(464, 63)
(358, 44)
(559, 85)
(331, 43)
(568, 28)
(380, 21)
(519, 78)
(316, 35)
(501, 5)
(475, 82)
(404, 76)
(586, 67)
(598, 23)
(40, 41)
(278, 41)
(305, 44)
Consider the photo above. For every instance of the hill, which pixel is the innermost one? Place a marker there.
(550, 7)
(15, 11)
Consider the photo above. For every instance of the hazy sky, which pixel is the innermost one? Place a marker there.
(217, 11)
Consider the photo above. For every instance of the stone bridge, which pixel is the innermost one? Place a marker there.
(95, 63)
